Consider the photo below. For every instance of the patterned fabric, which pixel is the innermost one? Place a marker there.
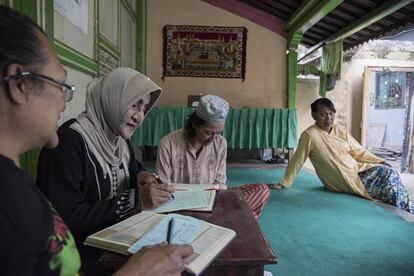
(125, 204)
(212, 109)
(204, 51)
(384, 183)
(62, 247)
(74, 181)
(34, 240)
(256, 196)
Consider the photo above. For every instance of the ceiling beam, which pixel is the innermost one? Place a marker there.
(386, 30)
(387, 8)
(299, 13)
(376, 14)
(269, 9)
(310, 14)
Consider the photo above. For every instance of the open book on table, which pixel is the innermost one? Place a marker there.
(194, 197)
(147, 228)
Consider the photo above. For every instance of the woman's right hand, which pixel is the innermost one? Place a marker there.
(154, 194)
(156, 260)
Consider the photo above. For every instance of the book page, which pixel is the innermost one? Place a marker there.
(210, 197)
(207, 246)
(209, 192)
(128, 231)
(188, 187)
(207, 239)
(183, 231)
(183, 201)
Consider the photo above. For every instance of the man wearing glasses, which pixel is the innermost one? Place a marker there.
(197, 153)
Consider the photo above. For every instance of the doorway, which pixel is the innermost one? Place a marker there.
(387, 115)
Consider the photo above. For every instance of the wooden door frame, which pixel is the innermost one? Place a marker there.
(408, 118)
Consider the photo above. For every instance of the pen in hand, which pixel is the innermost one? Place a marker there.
(160, 181)
(170, 231)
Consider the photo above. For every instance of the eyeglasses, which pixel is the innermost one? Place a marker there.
(67, 89)
(212, 133)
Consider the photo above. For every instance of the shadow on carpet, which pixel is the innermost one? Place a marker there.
(316, 232)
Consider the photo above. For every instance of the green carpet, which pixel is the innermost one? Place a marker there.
(316, 232)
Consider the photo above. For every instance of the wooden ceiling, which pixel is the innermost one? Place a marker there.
(343, 15)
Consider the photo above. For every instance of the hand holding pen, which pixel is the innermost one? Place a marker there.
(160, 182)
(152, 193)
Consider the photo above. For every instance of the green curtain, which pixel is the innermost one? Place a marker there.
(247, 128)
(331, 64)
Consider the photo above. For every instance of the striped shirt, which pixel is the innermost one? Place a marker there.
(177, 160)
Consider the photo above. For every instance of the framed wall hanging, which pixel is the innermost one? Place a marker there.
(204, 51)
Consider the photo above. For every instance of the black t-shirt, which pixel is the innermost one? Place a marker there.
(34, 240)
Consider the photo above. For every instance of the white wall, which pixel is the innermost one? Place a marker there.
(394, 120)
(77, 104)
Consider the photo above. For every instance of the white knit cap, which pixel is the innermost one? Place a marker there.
(212, 109)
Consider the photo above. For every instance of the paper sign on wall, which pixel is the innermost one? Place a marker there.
(76, 11)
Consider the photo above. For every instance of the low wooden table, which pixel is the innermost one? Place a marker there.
(249, 251)
(246, 254)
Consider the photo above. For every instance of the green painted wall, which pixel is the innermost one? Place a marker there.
(28, 160)
(72, 58)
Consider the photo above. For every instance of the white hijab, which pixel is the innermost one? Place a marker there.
(106, 101)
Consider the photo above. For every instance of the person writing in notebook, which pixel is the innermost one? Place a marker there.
(197, 153)
(92, 175)
(34, 239)
(342, 164)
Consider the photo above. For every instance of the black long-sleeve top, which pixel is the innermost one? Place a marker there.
(69, 176)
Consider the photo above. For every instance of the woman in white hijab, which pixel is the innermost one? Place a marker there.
(91, 176)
